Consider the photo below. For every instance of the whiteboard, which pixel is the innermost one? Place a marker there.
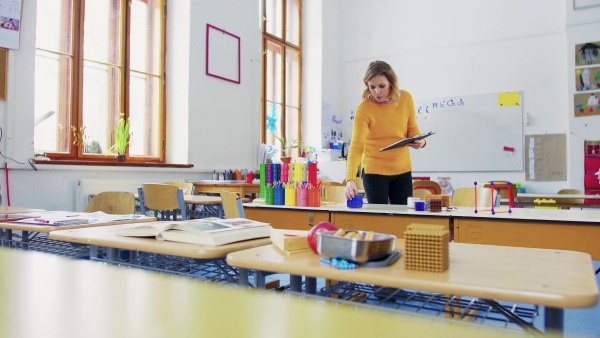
(480, 132)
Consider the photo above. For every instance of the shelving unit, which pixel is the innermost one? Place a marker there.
(591, 167)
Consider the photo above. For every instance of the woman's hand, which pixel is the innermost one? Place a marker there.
(417, 144)
(351, 190)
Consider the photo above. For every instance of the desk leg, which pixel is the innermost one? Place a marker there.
(93, 252)
(553, 320)
(295, 283)
(112, 254)
(243, 275)
(311, 285)
(259, 279)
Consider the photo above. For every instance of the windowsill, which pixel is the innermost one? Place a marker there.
(113, 164)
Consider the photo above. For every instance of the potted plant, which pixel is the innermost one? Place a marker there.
(122, 138)
(286, 149)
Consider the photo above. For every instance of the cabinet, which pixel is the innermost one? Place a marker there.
(591, 167)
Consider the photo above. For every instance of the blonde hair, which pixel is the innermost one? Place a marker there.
(381, 68)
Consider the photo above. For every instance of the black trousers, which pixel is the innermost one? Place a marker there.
(384, 189)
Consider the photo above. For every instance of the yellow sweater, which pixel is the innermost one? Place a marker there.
(377, 125)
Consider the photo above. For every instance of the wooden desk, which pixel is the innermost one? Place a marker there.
(391, 219)
(196, 200)
(50, 296)
(384, 218)
(287, 217)
(528, 200)
(535, 228)
(105, 237)
(4, 209)
(526, 275)
(31, 239)
(213, 187)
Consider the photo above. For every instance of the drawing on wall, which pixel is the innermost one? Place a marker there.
(10, 23)
(587, 78)
(587, 53)
(587, 104)
(331, 126)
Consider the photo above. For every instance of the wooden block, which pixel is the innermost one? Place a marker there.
(289, 240)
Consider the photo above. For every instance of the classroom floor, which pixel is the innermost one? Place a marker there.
(580, 323)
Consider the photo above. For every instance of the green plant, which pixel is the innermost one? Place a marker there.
(285, 147)
(122, 136)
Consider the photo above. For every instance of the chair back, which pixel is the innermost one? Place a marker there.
(112, 202)
(571, 200)
(432, 186)
(187, 187)
(164, 199)
(465, 197)
(232, 205)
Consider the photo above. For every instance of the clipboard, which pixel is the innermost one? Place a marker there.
(407, 140)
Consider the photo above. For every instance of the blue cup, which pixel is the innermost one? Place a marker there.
(355, 202)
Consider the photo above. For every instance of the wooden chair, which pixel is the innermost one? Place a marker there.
(422, 189)
(188, 190)
(187, 187)
(465, 197)
(231, 205)
(575, 201)
(112, 202)
(432, 186)
(164, 199)
(333, 192)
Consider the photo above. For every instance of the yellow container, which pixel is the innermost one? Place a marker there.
(290, 196)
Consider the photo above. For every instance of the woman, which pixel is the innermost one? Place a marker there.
(385, 116)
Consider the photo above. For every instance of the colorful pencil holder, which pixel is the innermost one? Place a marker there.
(285, 171)
(278, 196)
(270, 195)
(314, 197)
(290, 196)
(263, 179)
(302, 197)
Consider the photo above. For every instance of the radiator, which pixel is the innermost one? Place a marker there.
(84, 189)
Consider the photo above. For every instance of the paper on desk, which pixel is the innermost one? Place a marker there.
(61, 218)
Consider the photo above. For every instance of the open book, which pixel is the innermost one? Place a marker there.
(406, 141)
(205, 231)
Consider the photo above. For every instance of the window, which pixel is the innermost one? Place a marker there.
(98, 61)
(281, 113)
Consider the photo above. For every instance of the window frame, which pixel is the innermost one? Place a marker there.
(284, 45)
(75, 153)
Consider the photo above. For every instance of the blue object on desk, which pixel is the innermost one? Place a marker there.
(355, 202)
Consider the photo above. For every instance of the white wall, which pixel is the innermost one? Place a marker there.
(441, 49)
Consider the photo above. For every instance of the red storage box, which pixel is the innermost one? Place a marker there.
(592, 192)
(592, 163)
(590, 181)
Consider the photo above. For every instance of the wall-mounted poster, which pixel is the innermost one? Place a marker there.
(587, 79)
(10, 23)
(587, 54)
(587, 104)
